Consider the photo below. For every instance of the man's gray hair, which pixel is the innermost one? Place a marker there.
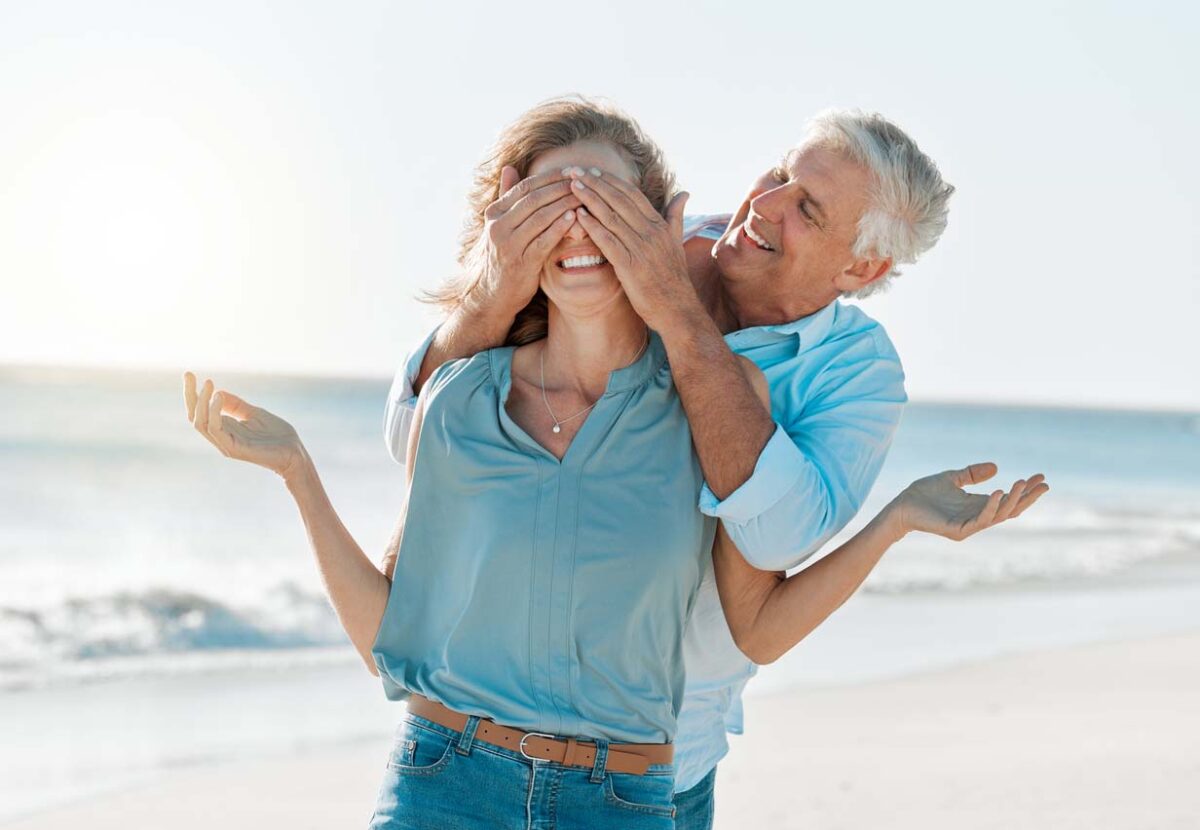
(909, 201)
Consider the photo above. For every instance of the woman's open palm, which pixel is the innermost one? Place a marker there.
(938, 504)
(241, 431)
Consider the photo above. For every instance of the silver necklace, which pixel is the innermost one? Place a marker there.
(558, 423)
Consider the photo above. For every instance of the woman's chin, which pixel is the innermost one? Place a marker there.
(583, 293)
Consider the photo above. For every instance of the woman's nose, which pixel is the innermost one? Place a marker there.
(576, 232)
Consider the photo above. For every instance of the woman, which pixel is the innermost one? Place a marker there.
(551, 547)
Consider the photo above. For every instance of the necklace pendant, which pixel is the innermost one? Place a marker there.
(557, 429)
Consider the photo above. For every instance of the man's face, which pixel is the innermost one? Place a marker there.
(792, 238)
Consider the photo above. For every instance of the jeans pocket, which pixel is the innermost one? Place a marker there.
(419, 751)
(651, 794)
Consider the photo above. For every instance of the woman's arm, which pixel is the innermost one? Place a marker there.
(357, 588)
(768, 613)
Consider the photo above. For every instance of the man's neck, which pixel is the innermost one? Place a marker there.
(749, 306)
(706, 279)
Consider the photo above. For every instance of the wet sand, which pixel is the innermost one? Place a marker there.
(1096, 736)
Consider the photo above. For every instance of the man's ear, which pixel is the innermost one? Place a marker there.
(862, 273)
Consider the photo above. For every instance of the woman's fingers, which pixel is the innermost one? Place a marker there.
(1009, 502)
(987, 515)
(200, 418)
(203, 413)
(190, 395)
(234, 406)
(216, 433)
(973, 473)
(1017, 502)
(1029, 498)
(226, 430)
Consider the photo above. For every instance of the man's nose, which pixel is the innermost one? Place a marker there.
(767, 203)
(576, 232)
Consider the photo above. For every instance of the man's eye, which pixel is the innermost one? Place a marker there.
(807, 214)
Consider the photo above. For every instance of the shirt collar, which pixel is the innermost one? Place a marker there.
(649, 363)
(809, 331)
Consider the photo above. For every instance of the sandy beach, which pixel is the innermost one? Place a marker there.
(1096, 736)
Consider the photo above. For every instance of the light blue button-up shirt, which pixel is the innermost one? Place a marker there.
(549, 595)
(837, 391)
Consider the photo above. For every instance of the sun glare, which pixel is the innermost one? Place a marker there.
(136, 200)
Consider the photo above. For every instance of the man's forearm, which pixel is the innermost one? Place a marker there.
(471, 328)
(768, 614)
(730, 424)
(356, 587)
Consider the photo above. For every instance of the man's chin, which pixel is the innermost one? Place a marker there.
(738, 266)
(727, 254)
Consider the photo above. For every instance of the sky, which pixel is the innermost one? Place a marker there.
(266, 186)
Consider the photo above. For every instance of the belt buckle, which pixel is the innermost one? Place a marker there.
(527, 736)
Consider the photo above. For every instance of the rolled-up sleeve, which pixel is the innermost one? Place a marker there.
(780, 466)
(815, 472)
(402, 400)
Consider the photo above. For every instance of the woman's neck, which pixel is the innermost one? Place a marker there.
(581, 351)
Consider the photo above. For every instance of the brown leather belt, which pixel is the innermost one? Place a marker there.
(538, 746)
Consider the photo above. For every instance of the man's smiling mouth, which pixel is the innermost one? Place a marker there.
(755, 238)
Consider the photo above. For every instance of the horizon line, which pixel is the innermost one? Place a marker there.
(7, 368)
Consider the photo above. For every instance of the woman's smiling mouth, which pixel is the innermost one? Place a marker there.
(580, 262)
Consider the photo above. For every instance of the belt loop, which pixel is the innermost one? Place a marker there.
(467, 738)
(569, 755)
(601, 761)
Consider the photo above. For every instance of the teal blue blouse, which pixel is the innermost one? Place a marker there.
(549, 596)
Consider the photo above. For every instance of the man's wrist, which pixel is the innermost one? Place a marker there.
(486, 303)
(488, 319)
(688, 331)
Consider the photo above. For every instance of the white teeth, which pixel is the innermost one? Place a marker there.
(758, 240)
(583, 261)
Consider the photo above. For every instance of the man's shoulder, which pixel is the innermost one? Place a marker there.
(705, 225)
(854, 359)
(851, 323)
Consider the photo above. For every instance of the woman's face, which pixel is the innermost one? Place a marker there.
(576, 277)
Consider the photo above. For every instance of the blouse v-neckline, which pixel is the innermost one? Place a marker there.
(620, 381)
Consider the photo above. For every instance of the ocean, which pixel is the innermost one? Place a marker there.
(159, 605)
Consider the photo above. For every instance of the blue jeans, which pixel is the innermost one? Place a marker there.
(694, 807)
(439, 779)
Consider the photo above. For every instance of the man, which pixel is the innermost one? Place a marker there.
(852, 200)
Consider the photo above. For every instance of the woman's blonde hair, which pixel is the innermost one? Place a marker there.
(557, 123)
